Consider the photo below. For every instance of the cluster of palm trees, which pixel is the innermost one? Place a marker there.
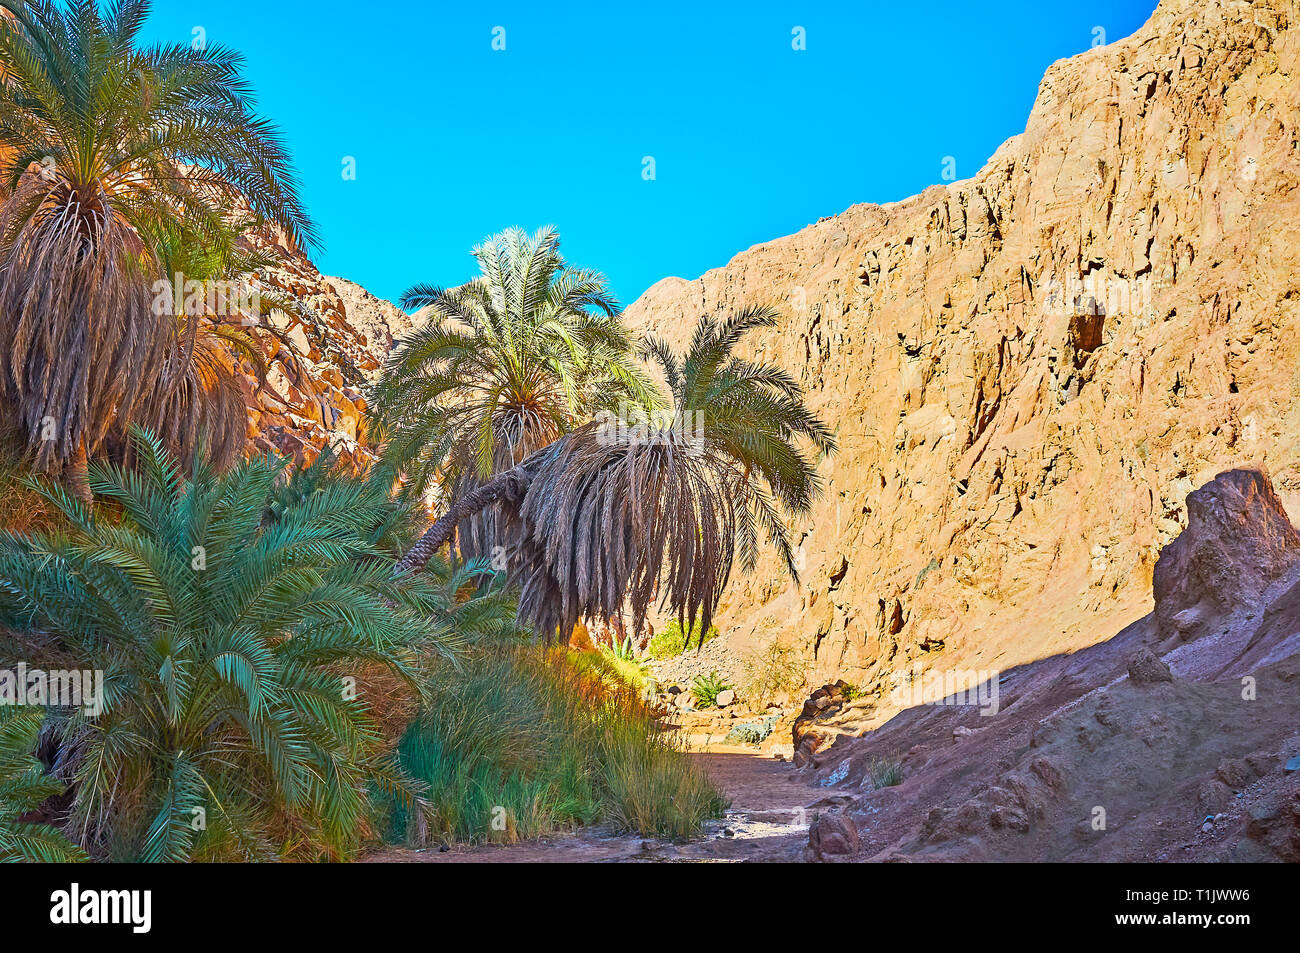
(226, 599)
(496, 402)
(121, 167)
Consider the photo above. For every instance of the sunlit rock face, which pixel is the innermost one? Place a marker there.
(320, 363)
(1028, 371)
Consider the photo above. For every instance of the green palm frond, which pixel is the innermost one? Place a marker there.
(508, 363)
(24, 786)
(227, 612)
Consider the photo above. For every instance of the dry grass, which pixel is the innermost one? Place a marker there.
(775, 670)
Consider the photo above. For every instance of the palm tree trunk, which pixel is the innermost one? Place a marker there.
(512, 483)
(79, 474)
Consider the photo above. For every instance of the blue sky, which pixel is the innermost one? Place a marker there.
(751, 139)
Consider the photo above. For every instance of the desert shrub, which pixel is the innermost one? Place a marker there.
(851, 692)
(706, 689)
(885, 772)
(774, 670)
(670, 641)
(524, 741)
(751, 732)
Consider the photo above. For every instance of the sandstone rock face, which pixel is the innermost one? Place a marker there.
(1030, 370)
(1238, 540)
(319, 366)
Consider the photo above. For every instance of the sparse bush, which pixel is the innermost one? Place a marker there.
(751, 732)
(670, 641)
(775, 670)
(885, 772)
(706, 689)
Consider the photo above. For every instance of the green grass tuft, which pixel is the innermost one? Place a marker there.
(524, 742)
(885, 772)
(706, 689)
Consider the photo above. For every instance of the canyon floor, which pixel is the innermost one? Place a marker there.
(767, 821)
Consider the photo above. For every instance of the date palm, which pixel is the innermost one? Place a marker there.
(602, 517)
(103, 144)
(226, 613)
(507, 364)
(213, 293)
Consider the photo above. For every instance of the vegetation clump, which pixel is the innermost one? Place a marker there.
(522, 741)
(751, 732)
(707, 688)
(671, 641)
(885, 772)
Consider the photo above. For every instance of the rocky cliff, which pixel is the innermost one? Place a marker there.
(319, 362)
(1031, 369)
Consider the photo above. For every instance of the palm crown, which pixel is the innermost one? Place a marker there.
(104, 144)
(603, 516)
(507, 364)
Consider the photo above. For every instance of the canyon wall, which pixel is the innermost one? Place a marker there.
(1029, 371)
(320, 362)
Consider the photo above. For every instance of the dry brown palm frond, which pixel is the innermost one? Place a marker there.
(82, 338)
(607, 521)
(203, 412)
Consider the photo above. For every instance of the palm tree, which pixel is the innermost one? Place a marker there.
(104, 144)
(24, 787)
(508, 363)
(227, 614)
(203, 410)
(605, 515)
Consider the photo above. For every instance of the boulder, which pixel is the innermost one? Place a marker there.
(1238, 540)
(1146, 668)
(833, 835)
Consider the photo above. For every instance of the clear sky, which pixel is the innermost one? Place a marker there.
(751, 138)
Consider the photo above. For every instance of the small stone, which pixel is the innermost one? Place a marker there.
(1293, 765)
(1145, 668)
(726, 697)
(1212, 797)
(833, 834)
(1262, 818)
(1234, 772)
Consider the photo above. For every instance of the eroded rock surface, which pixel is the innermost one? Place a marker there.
(1030, 370)
(1238, 540)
